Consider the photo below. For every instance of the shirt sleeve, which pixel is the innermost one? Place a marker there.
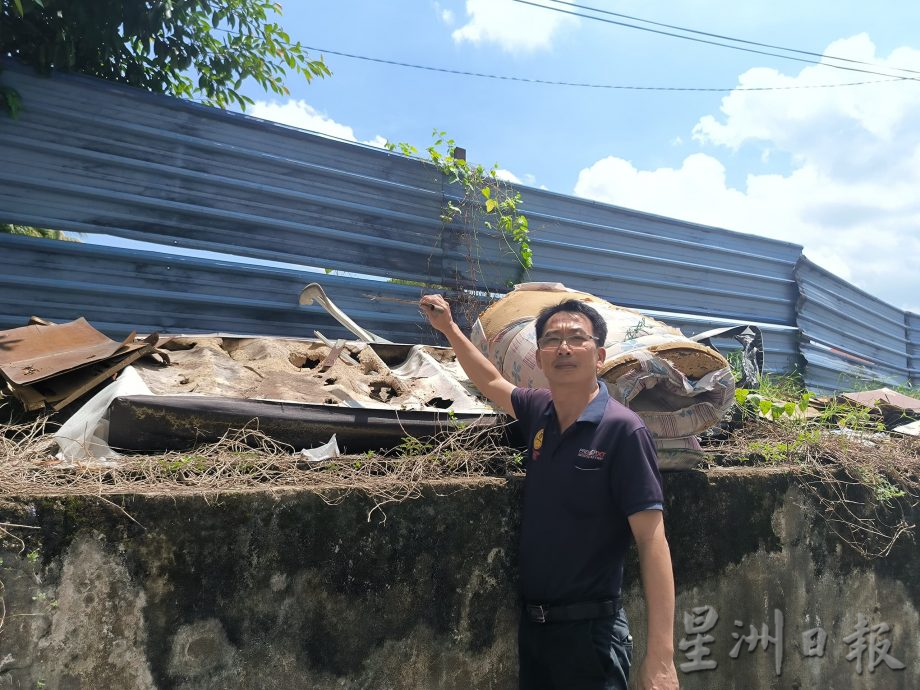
(636, 479)
(522, 400)
(516, 401)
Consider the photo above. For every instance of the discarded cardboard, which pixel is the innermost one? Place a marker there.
(895, 408)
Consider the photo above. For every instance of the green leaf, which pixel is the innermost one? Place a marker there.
(486, 192)
(766, 406)
(491, 205)
(18, 4)
(11, 100)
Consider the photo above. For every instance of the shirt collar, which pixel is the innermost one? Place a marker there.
(594, 411)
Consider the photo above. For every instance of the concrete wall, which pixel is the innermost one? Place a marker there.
(282, 590)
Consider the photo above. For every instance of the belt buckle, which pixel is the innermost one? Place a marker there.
(537, 613)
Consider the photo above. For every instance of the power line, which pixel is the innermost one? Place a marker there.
(623, 87)
(730, 38)
(714, 43)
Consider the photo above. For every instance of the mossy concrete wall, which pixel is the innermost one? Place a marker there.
(283, 590)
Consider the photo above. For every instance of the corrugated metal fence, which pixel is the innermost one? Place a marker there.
(913, 347)
(90, 156)
(849, 336)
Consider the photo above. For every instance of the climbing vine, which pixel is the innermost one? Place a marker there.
(485, 199)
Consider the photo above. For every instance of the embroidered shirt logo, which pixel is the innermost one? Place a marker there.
(537, 445)
(592, 454)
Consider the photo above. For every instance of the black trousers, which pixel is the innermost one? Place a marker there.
(593, 654)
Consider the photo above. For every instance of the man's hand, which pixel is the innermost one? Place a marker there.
(478, 368)
(657, 674)
(657, 671)
(437, 311)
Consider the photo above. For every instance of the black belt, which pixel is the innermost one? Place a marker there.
(539, 613)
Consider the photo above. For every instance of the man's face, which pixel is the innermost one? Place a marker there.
(567, 351)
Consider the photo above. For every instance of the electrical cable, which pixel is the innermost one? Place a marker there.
(623, 87)
(731, 38)
(714, 43)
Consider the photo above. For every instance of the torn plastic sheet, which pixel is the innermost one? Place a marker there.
(751, 339)
(382, 376)
(436, 384)
(912, 429)
(327, 451)
(669, 403)
(85, 435)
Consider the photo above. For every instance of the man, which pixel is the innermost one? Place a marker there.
(592, 479)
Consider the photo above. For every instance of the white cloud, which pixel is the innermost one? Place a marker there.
(507, 176)
(514, 27)
(378, 141)
(850, 196)
(528, 179)
(446, 15)
(300, 114)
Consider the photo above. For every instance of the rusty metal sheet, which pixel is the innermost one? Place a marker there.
(36, 352)
(59, 391)
(884, 397)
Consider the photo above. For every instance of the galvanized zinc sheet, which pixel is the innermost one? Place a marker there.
(90, 156)
(646, 261)
(848, 334)
(912, 322)
(119, 290)
(87, 156)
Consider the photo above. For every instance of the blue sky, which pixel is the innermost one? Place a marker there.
(834, 169)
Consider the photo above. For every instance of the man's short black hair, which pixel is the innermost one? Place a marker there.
(574, 306)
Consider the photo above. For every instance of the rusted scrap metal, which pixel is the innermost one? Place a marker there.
(333, 354)
(884, 397)
(894, 408)
(51, 365)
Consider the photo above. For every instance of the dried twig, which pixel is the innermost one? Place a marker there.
(248, 460)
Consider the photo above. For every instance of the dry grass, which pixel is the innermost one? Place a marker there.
(248, 460)
(867, 485)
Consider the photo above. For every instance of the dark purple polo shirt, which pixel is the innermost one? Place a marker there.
(580, 487)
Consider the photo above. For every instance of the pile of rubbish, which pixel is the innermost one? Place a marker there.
(45, 365)
(353, 395)
(679, 386)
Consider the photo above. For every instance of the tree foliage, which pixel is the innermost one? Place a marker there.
(198, 49)
(36, 232)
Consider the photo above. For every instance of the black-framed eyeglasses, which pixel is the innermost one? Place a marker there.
(577, 341)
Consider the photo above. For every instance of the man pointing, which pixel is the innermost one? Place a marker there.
(592, 485)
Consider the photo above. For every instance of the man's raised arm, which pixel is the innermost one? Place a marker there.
(478, 368)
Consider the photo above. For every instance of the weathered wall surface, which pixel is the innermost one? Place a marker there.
(284, 590)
